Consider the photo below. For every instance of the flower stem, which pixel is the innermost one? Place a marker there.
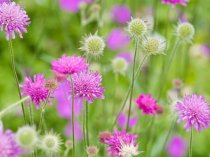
(132, 83)
(16, 77)
(87, 129)
(191, 138)
(72, 112)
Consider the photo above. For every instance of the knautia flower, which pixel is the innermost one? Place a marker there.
(8, 145)
(13, 19)
(147, 104)
(93, 45)
(69, 64)
(92, 151)
(122, 144)
(194, 111)
(119, 65)
(27, 137)
(87, 85)
(121, 14)
(35, 89)
(4, 1)
(104, 136)
(177, 147)
(185, 32)
(175, 2)
(51, 143)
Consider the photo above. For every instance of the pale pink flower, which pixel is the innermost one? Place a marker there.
(175, 2)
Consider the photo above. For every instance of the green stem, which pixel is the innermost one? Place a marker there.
(191, 138)
(16, 77)
(31, 114)
(87, 129)
(132, 83)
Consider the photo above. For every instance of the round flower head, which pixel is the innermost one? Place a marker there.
(120, 65)
(87, 85)
(4, 1)
(35, 89)
(27, 137)
(185, 32)
(69, 64)
(121, 14)
(92, 151)
(13, 19)
(93, 45)
(194, 111)
(175, 2)
(147, 104)
(51, 143)
(122, 144)
(8, 146)
(137, 28)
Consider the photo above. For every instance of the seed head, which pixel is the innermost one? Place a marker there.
(185, 32)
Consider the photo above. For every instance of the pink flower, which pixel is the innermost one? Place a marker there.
(87, 85)
(35, 89)
(194, 111)
(175, 2)
(13, 19)
(69, 64)
(147, 104)
(77, 130)
(122, 121)
(4, 1)
(121, 14)
(117, 39)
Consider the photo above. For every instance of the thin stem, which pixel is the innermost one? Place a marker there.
(87, 129)
(72, 112)
(155, 14)
(132, 83)
(191, 138)
(31, 117)
(15, 76)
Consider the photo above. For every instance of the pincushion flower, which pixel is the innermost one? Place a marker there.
(122, 144)
(147, 104)
(194, 111)
(69, 64)
(35, 88)
(87, 85)
(121, 14)
(13, 19)
(175, 2)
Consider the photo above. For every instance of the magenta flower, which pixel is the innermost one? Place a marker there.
(128, 56)
(147, 104)
(77, 130)
(69, 64)
(121, 144)
(13, 19)
(87, 85)
(8, 146)
(122, 121)
(117, 39)
(35, 89)
(121, 14)
(194, 111)
(175, 2)
(4, 1)
(177, 147)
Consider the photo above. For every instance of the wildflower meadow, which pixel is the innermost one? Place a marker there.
(100, 78)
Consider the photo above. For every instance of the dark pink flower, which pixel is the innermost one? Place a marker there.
(122, 121)
(121, 14)
(175, 2)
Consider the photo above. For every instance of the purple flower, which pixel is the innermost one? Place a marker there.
(147, 104)
(194, 111)
(8, 146)
(69, 64)
(13, 19)
(117, 39)
(87, 85)
(121, 14)
(35, 89)
(128, 56)
(122, 121)
(177, 147)
(77, 130)
(205, 49)
(175, 2)
(72, 5)
(4, 1)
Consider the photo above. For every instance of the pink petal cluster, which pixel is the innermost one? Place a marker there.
(175, 2)
(121, 14)
(122, 121)
(116, 141)
(87, 85)
(147, 104)
(194, 111)
(8, 146)
(13, 19)
(4, 1)
(35, 89)
(69, 64)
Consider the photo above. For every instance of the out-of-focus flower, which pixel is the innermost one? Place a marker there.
(69, 64)
(51, 84)
(35, 89)
(92, 151)
(175, 2)
(77, 130)
(194, 111)
(185, 32)
(13, 19)
(122, 144)
(103, 136)
(122, 121)
(4, 1)
(128, 56)
(117, 39)
(200, 50)
(147, 104)
(119, 65)
(177, 147)
(87, 86)
(69, 144)
(121, 14)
